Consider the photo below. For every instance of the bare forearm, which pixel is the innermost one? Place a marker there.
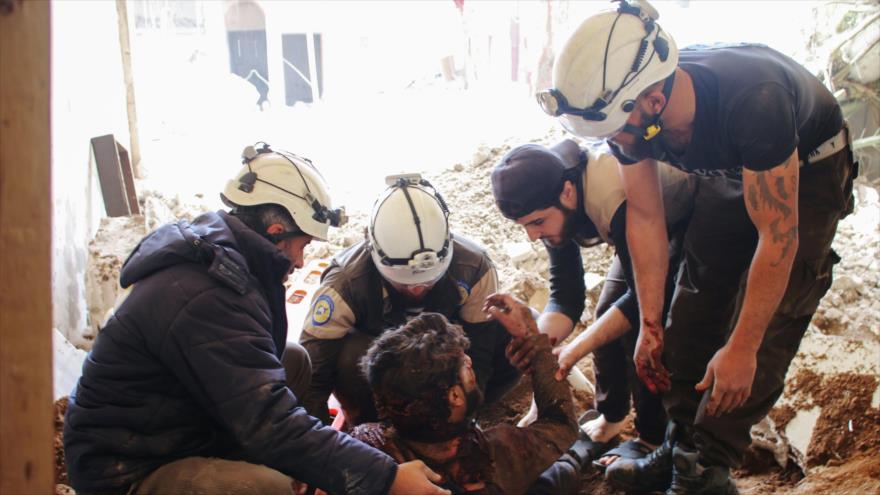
(768, 278)
(556, 325)
(648, 248)
(646, 236)
(608, 327)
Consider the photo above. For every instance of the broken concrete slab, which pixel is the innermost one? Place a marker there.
(519, 252)
(114, 241)
(593, 280)
(830, 406)
(67, 365)
(766, 436)
(799, 432)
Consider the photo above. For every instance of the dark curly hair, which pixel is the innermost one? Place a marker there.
(411, 369)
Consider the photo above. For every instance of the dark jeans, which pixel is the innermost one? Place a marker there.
(719, 246)
(356, 398)
(298, 368)
(615, 374)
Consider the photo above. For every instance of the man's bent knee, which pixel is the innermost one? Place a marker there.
(298, 368)
(209, 476)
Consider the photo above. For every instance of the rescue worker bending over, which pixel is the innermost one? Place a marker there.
(570, 198)
(751, 276)
(409, 263)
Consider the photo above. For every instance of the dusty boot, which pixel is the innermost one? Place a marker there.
(652, 473)
(689, 477)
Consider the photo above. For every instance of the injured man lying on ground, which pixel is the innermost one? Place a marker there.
(426, 396)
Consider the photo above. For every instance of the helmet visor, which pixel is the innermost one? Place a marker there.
(549, 102)
(584, 122)
(587, 129)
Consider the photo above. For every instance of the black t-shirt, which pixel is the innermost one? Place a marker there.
(754, 105)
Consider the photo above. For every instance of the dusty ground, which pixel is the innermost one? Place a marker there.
(835, 376)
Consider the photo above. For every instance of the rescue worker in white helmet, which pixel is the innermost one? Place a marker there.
(409, 263)
(184, 390)
(749, 282)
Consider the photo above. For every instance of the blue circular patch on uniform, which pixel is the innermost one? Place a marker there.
(464, 290)
(322, 310)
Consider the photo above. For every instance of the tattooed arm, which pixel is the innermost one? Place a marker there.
(771, 198)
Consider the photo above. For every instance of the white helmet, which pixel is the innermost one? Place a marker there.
(409, 233)
(287, 180)
(606, 63)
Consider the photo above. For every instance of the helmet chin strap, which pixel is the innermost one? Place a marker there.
(653, 129)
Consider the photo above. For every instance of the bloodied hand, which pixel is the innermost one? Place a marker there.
(517, 318)
(647, 359)
(512, 313)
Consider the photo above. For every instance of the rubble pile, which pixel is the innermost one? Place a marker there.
(851, 308)
(824, 426)
(115, 239)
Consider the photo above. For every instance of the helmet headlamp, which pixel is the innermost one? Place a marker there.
(409, 235)
(321, 213)
(555, 104)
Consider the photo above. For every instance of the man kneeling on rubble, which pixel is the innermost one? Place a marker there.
(184, 391)
(426, 393)
(409, 263)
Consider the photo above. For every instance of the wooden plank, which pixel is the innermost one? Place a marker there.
(125, 47)
(106, 159)
(26, 456)
(128, 180)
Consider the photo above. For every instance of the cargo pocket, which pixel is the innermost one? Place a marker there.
(809, 281)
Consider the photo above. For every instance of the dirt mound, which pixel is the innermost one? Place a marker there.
(848, 425)
(58, 442)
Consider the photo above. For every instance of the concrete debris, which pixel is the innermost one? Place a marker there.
(852, 283)
(66, 365)
(540, 298)
(64, 490)
(480, 157)
(115, 239)
(518, 252)
(765, 436)
(799, 431)
(156, 213)
(593, 280)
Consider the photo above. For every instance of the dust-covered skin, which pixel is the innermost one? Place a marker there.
(500, 460)
(516, 317)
